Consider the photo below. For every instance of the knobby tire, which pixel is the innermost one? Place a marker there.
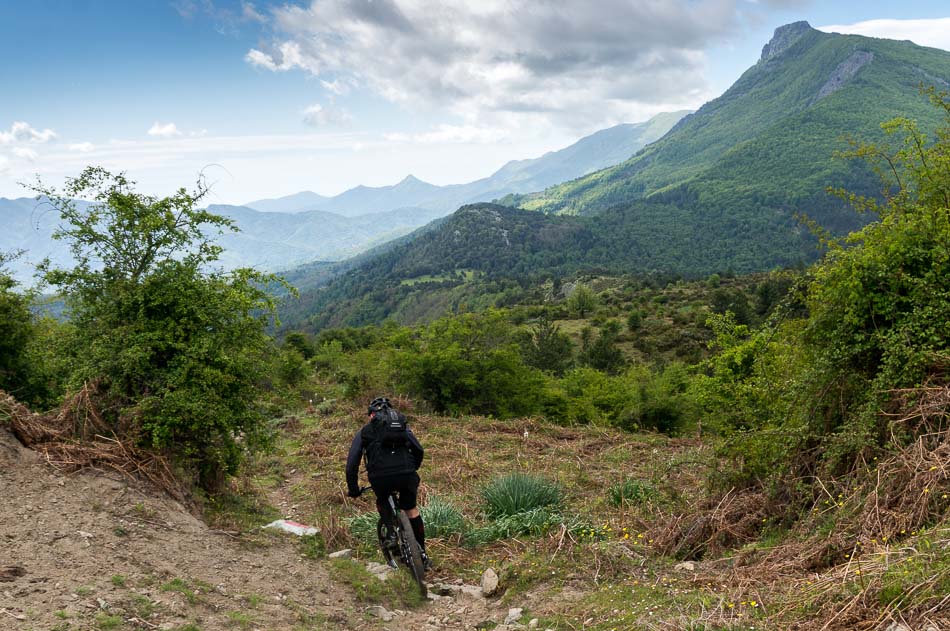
(415, 553)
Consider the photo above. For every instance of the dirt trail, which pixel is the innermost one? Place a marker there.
(97, 552)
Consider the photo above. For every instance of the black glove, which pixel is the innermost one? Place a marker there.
(354, 493)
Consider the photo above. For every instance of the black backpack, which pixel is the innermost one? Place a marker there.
(386, 444)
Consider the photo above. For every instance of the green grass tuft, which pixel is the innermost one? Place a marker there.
(519, 492)
(442, 518)
(632, 492)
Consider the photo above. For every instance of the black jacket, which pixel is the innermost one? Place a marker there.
(357, 449)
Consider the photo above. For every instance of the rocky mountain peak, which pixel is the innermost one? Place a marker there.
(783, 39)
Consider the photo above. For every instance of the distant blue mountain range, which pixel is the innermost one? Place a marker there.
(278, 234)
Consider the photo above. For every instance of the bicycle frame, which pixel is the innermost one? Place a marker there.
(409, 552)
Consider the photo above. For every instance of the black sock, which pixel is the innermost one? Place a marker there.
(419, 530)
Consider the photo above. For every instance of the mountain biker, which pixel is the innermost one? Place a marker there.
(390, 466)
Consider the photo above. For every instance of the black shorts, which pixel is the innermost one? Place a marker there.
(405, 484)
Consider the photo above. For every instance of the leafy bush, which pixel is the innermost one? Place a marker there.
(602, 352)
(658, 399)
(519, 492)
(19, 372)
(546, 348)
(178, 351)
(803, 396)
(471, 364)
(639, 398)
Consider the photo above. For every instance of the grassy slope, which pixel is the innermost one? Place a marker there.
(610, 576)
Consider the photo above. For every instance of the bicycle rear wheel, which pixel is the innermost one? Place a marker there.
(412, 553)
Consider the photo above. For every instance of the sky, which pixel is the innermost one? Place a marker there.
(265, 99)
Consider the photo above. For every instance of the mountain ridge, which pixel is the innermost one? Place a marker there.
(861, 82)
(721, 192)
(599, 149)
(301, 228)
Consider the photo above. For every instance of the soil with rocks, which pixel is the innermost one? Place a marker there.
(93, 551)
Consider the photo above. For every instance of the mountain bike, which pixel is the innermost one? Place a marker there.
(398, 542)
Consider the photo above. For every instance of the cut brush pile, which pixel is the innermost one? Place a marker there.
(75, 437)
(874, 550)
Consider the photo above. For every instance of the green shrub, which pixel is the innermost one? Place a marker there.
(178, 349)
(471, 364)
(518, 492)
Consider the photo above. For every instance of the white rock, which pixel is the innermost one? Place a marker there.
(301, 530)
(379, 570)
(472, 592)
(514, 614)
(380, 612)
(685, 566)
(345, 553)
(533, 623)
(489, 583)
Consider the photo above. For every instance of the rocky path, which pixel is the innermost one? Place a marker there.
(90, 551)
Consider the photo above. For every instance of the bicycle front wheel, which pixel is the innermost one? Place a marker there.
(412, 553)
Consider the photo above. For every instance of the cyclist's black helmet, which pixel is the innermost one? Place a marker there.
(378, 404)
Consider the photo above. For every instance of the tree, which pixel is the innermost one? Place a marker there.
(547, 348)
(176, 347)
(581, 301)
(16, 330)
(602, 353)
(301, 342)
(634, 320)
(732, 301)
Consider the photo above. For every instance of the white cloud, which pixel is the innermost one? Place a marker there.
(225, 20)
(338, 86)
(166, 130)
(4, 164)
(22, 132)
(25, 153)
(82, 147)
(251, 14)
(319, 116)
(933, 32)
(446, 134)
(288, 54)
(573, 64)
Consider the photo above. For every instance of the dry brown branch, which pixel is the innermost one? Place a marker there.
(75, 437)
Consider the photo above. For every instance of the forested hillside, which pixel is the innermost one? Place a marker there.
(732, 187)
